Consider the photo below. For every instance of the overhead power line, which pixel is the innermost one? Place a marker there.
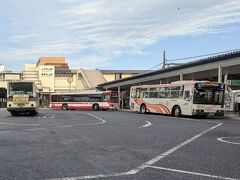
(179, 59)
(191, 57)
(152, 68)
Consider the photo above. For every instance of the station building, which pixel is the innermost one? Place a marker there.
(52, 74)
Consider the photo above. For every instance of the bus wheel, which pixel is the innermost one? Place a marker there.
(64, 107)
(176, 111)
(33, 113)
(13, 113)
(95, 107)
(143, 109)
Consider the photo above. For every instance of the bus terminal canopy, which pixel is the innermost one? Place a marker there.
(217, 68)
(3, 93)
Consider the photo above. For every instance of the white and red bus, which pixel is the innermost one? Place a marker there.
(94, 100)
(200, 98)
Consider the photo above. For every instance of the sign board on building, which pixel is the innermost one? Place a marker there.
(233, 82)
(1, 68)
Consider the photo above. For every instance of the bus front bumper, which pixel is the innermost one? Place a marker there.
(220, 113)
(21, 109)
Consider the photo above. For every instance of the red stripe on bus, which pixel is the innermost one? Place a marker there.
(80, 107)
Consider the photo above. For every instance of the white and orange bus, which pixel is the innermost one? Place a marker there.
(94, 100)
(200, 98)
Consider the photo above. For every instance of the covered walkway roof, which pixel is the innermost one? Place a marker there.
(203, 69)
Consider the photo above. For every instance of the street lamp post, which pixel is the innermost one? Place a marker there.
(70, 80)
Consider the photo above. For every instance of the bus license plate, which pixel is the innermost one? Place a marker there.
(20, 100)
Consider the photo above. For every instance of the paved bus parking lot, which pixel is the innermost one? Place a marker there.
(73, 145)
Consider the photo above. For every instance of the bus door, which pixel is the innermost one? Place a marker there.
(187, 100)
(59, 98)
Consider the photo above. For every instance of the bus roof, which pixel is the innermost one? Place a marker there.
(176, 83)
(21, 81)
(81, 92)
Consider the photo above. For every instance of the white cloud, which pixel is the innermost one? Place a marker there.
(91, 33)
(56, 48)
(91, 61)
(22, 37)
(137, 24)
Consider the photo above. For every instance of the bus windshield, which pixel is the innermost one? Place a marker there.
(209, 95)
(21, 88)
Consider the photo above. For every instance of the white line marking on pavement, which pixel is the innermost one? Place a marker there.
(146, 164)
(192, 173)
(89, 124)
(65, 126)
(102, 120)
(183, 118)
(170, 151)
(92, 176)
(230, 142)
(146, 125)
(19, 124)
(36, 129)
(3, 132)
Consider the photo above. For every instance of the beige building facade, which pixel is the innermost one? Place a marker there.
(112, 75)
(52, 74)
(46, 75)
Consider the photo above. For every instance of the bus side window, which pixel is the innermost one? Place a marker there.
(77, 98)
(67, 98)
(137, 93)
(145, 95)
(187, 95)
(133, 93)
(84, 98)
(54, 98)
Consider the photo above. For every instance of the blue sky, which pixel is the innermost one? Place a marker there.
(113, 34)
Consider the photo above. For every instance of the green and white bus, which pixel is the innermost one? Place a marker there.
(22, 97)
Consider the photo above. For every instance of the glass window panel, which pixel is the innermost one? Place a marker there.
(106, 97)
(54, 98)
(176, 88)
(138, 93)
(84, 98)
(77, 98)
(133, 93)
(161, 94)
(153, 89)
(145, 94)
(67, 98)
(187, 94)
(95, 97)
(153, 94)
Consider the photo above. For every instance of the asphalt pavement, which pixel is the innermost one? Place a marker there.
(74, 145)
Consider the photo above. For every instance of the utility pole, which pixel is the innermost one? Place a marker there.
(164, 60)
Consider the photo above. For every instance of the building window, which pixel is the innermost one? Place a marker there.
(118, 76)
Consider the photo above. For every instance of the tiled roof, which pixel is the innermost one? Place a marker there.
(123, 71)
